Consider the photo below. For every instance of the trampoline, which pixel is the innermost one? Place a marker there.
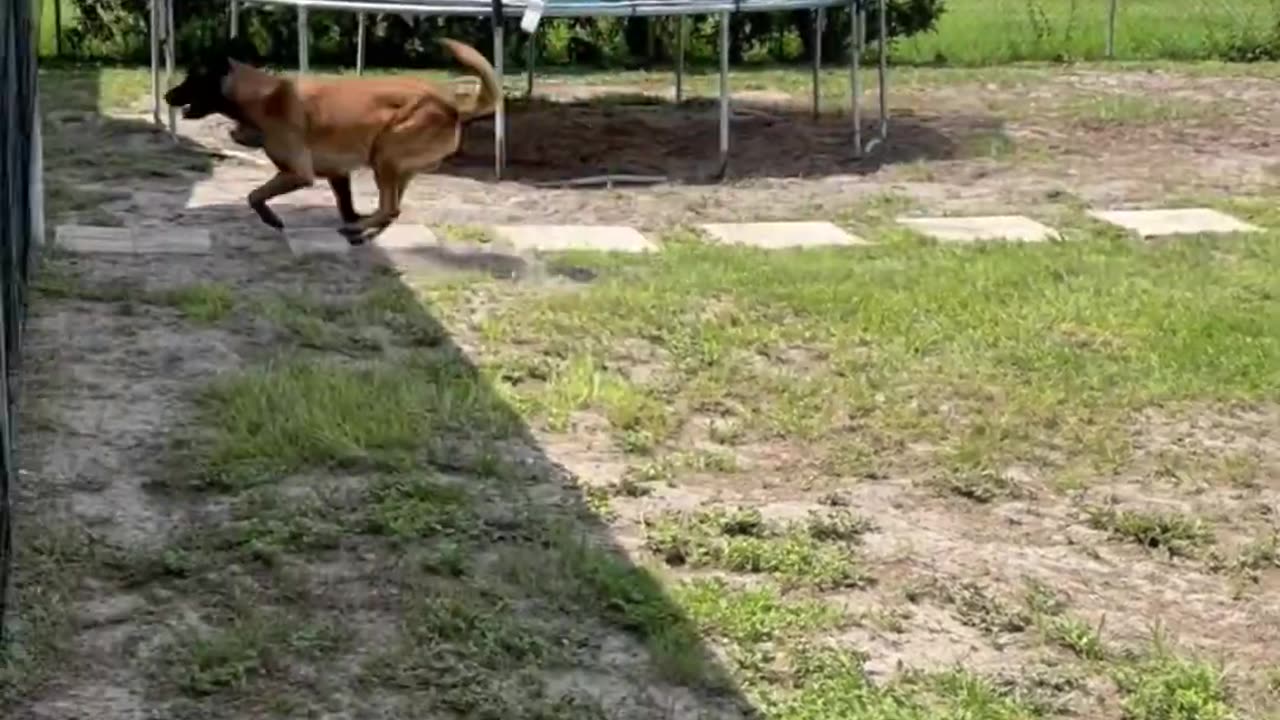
(531, 12)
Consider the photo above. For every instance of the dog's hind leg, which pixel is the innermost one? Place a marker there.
(388, 180)
(341, 187)
(281, 184)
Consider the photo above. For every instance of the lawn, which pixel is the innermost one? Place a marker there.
(905, 481)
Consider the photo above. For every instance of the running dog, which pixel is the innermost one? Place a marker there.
(329, 128)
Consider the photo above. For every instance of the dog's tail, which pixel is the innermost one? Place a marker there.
(490, 89)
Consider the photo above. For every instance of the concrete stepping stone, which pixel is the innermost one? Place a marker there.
(779, 235)
(560, 238)
(94, 239)
(1017, 228)
(316, 241)
(1180, 221)
(405, 237)
(172, 240)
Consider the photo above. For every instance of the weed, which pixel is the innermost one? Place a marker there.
(1075, 635)
(249, 645)
(741, 541)
(751, 616)
(1175, 533)
(976, 607)
(1164, 686)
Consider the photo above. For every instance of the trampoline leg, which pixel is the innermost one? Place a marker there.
(500, 112)
(531, 53)
(234, 18)
(884, 71)
(304, 40)
(360, 33)
(170, 51)
(819, 20)
(155, 61)
(855, 59)
(724, 93)
(681, 33)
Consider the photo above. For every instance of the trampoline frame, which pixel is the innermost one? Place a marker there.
(163, 45)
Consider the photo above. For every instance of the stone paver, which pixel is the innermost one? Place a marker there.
(405, 237)
(1181, 221)
(779, 235)
(558, 238)
(1017, 228)
(173, 240)
(316, 241)
(94, 239)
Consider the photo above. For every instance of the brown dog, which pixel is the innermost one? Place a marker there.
(313, 128)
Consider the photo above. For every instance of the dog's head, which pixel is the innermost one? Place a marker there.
(203, 91)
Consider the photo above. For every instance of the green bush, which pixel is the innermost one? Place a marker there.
(117, 30)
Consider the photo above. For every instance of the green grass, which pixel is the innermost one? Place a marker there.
(816, 554)
(976, 32)
(1039, 354)
(1172, 532)
(1166, 686)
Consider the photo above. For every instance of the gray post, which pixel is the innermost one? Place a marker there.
(57, 27)
(724, 92)
(500, 112)
(304, 41)
(170, 52)
(235, 18)
(155, 61)
(819, 21)
(531, 54)
(681, 33)
(1111, 30)
(884, 70)
(360, 33)
(855, 61)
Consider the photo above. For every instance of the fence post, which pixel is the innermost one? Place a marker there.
(1111, 29)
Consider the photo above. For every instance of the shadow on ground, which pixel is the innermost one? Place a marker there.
(551, 140)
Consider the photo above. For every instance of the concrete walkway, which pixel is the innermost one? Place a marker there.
(609, 238)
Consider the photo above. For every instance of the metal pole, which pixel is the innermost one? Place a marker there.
(155, 61)
(235, 18)
(304, 40)
(170, 52)
(855, 52)
(724, 92)
(1111, 29)
(681, 33)
(884, 70)
(360, 32)
(819, 20)
(500, 112)
(57, 27)
(531, 53)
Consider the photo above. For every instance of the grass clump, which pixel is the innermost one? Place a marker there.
(1172, 532)
(742, 541)
(830, 684)
(1165, 686)
(296, 415)
(751, 616)
(248, 646)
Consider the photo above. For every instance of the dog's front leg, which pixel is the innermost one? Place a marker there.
(282, 184)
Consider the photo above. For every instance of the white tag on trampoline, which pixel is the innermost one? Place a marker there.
(532, 15)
